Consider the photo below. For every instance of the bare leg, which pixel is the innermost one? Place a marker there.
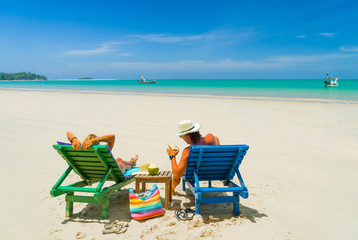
(122, 166)
(175, 182)
(131, 162)
(125, 165)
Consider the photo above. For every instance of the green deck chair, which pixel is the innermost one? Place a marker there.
(96, 164)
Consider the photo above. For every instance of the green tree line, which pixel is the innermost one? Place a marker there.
(21, 76)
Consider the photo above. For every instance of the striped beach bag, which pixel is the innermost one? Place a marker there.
(145, 205)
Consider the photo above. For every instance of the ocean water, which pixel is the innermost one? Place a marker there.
(252, 88)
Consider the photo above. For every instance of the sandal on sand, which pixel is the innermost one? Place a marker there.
(112, 225)
(118, 230)
(184, 214)
(117, 227)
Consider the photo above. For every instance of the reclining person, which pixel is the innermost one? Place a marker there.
(109, 139)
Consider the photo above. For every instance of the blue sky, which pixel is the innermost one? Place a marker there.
(180, 39)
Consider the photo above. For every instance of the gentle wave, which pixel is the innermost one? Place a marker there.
(258, 98)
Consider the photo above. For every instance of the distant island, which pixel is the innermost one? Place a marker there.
(85, 78)
(21, 76)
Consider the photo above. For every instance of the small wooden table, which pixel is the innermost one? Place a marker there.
(161, 177)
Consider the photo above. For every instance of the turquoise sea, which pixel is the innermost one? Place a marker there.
(308, 90)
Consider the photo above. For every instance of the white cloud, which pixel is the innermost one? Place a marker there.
(349, 48)
(227, 65)
(213, 35)
(302, 36)
(125, 54)
(193, 65)
(224, 67)
(165, 38)
(327, 34)
(227, 36)
(103, 48)
(309, 58)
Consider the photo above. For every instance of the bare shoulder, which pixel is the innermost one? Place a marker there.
(209, 138)
(186, 150)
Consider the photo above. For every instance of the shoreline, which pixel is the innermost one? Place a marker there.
(256, 98)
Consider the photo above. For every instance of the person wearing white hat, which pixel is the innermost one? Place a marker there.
(189, 132)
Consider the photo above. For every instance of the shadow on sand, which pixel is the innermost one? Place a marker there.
(216, 212)
(119, 209)
(89, 212)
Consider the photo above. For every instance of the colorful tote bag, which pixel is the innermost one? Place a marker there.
(145, 205)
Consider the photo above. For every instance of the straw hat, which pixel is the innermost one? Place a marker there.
(186, 126)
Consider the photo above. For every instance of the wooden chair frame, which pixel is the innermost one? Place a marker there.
(96, 164)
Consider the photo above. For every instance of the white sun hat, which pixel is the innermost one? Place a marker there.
(186, 126)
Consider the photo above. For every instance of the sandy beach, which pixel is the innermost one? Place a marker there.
(301, 169)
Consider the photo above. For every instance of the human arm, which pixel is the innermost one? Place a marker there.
(172, 151)
(76, 144)
(109, 139)
(178, 169)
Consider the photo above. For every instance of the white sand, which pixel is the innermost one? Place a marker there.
(301, 169)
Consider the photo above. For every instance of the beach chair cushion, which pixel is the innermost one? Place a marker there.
(63, 143)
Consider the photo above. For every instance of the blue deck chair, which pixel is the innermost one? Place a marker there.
(96, 164)
(215, 163)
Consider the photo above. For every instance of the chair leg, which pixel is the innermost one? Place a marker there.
(105, 207)
(197, 203)
(236, 204)
(137, 186)
(69, 205)
(170, 190)
(167, 193)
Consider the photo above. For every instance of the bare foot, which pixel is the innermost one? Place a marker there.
(133, 160)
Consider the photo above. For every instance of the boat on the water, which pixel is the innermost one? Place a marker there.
(330, 81)
(143, 80)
